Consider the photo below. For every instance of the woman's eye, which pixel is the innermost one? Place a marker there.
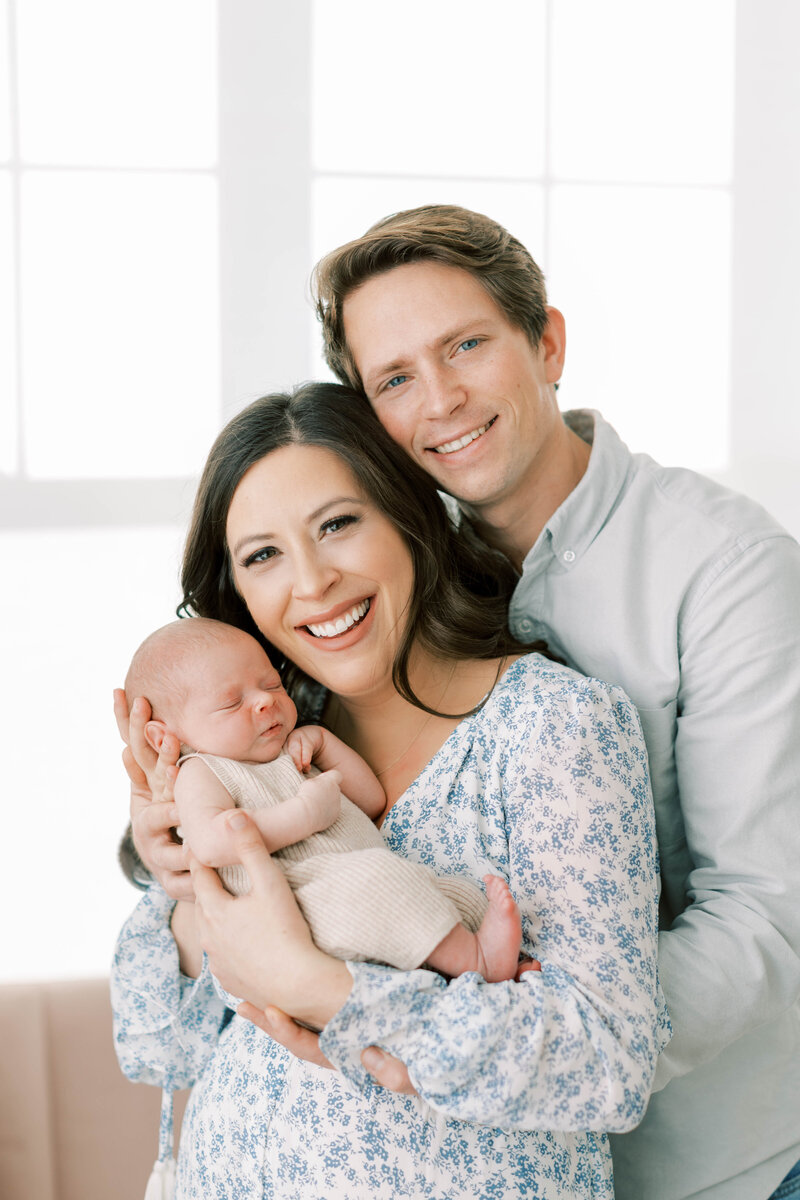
(260, 556)
(337, 523)
(469, 344)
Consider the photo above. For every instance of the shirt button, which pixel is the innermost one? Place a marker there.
(526, 625)
(568, 556)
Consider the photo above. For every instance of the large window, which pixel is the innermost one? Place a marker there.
(600, 134)
(110, 375)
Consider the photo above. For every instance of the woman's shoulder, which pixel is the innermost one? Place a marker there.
(533, 681)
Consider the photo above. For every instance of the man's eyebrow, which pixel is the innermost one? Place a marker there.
(237, 548)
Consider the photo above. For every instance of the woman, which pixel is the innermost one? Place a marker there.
(313, 530)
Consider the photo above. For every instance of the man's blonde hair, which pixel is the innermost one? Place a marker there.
(442, 233)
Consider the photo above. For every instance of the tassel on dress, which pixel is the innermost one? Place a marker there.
(161, 1184)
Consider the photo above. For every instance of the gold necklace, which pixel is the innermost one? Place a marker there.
(403, 753)
(422, 727)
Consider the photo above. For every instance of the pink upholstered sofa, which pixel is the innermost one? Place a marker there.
(71, 1126)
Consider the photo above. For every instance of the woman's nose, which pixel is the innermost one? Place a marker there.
(313, 577)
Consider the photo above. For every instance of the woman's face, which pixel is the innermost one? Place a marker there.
(326, 576)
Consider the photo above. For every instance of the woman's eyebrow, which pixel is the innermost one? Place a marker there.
(237, 548)
(334, 503)
(312, 516)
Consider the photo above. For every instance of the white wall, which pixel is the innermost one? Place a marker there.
(646, 154)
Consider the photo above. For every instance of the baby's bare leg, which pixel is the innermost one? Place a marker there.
(320, 801)
(494, 950)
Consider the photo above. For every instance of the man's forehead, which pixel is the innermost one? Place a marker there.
(424, 278)
(414, 306)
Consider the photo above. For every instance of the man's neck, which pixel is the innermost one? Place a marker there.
(513, 524)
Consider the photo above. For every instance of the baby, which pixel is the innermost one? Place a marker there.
(213, 686)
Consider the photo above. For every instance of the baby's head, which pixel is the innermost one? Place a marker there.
(212, 686)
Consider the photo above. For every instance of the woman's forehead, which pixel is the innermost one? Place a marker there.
(295, 481)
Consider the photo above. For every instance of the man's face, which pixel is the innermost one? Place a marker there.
(454, 382)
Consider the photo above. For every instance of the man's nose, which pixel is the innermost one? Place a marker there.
(444, 391)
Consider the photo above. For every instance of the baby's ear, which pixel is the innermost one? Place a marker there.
(154, 732)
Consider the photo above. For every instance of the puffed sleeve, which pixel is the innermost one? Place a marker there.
(564, 768)
(166, 1026)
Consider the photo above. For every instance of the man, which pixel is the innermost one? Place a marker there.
(685, 594)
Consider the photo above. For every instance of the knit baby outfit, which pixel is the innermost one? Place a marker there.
(361, 901)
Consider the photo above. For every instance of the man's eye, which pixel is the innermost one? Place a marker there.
(469, 344)
(396, 380)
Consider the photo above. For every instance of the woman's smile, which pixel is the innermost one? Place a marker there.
(337, 622)
(322, 570)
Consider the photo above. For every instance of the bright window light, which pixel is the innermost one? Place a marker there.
(8, 348)
(120, 323)
(5, 87)
(118, 84)
(80, 605)
(445, 88)
(643, 92)
(643, 278)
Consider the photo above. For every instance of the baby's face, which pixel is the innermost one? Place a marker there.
(235, 704)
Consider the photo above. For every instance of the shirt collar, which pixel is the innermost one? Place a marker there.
(577, 522)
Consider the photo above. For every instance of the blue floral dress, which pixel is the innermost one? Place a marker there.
(548, 787)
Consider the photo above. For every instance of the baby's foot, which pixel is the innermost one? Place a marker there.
(322, 799)
(500, 934)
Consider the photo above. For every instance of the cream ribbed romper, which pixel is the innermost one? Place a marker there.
(361, 901)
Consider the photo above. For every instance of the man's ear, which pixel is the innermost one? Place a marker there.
(154, 733)
(554, 344)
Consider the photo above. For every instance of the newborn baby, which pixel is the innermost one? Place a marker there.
(213, 686)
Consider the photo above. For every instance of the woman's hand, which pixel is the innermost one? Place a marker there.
(153, 812)
(259, 945)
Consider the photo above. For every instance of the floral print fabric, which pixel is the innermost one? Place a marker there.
(547, 786)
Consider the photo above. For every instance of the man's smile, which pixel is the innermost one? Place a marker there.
(460, 442)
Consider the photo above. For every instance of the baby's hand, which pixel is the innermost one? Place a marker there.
(322, 799)
(302, 744)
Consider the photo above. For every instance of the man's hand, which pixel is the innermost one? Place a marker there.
(387, 1071)
(299, 1041)
(259, 945)
(153, 812)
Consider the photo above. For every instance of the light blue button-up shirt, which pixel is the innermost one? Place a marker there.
(688, 596)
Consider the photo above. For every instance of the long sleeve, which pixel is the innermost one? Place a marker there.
(165, 1025)
(555, 785)
(731, 959)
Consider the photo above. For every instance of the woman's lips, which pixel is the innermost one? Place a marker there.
(349, 635)
(333, 628)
